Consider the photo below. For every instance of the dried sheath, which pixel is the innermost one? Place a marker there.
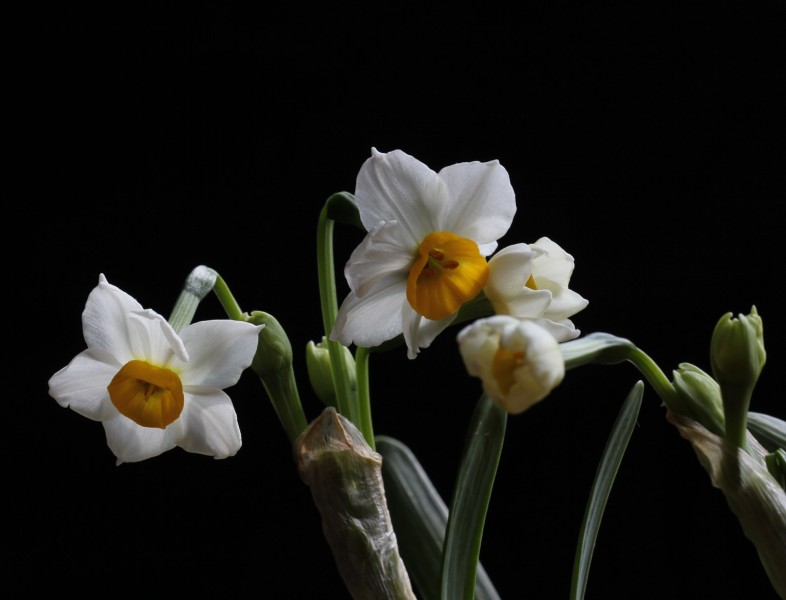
(753, 494)
(345, 477)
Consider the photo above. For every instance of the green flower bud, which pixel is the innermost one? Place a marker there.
(274, 352)
(320, 373)
(273, 365)
(698, 397)
(737, 350)
(737, 356)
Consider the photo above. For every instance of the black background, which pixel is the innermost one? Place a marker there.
(647, 141)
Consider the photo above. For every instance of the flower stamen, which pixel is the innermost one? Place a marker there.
(448, 271)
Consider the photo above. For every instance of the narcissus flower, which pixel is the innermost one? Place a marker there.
(154, 389)
(531, 281)
(424, 254)
(518, 361)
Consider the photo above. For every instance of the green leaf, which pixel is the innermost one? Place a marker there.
(419, 517)
(601, 488)
(470, 501)
(769, 430)
(596, 349)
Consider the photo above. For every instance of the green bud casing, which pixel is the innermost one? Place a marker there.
(698, 396)
(737, 356)
(737, 350)
(274, 352)
(320, 373)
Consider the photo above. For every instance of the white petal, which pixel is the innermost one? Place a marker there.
(554, 264)
(509, 271)
(565, 304)
(373, 319)
(131, 442)
(152, 339)
(541, 371)
(395, 186)
(562, 331)
(379, 255)
(477, 348)
(419, 331)
(219, 351)
(209, 426)
(104, 320)
(81, 385)
(482, 201)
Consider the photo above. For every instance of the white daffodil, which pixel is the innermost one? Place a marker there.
(151, 388)
(518, 361)
(531, 281)
(424, 254)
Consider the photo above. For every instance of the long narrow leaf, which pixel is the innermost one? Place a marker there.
(419, 517)
(769, 430)
(470, 501)
(601, 488)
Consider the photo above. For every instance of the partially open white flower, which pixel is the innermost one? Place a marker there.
(151, 388)
(518, 361)
(424, 254)
(531, 281)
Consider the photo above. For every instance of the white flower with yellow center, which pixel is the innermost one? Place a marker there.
(424, 254)
(151, 388)
(531, 281)
(518, 361)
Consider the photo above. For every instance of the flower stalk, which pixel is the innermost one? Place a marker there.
(273, 365)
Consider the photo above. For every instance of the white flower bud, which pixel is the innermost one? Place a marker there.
(518, 361)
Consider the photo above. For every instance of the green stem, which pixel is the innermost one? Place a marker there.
(736, 400)
(345, 399)
(279, 381)
(227, 300)
(282, 390)
(656, 378)
(606, 349)
(364, 396)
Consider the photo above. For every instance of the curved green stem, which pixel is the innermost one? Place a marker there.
(345, 399)
(282, 390)
(605, 349)
(275, 372)
(227, 300)
(654, 375)
(364, 396)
